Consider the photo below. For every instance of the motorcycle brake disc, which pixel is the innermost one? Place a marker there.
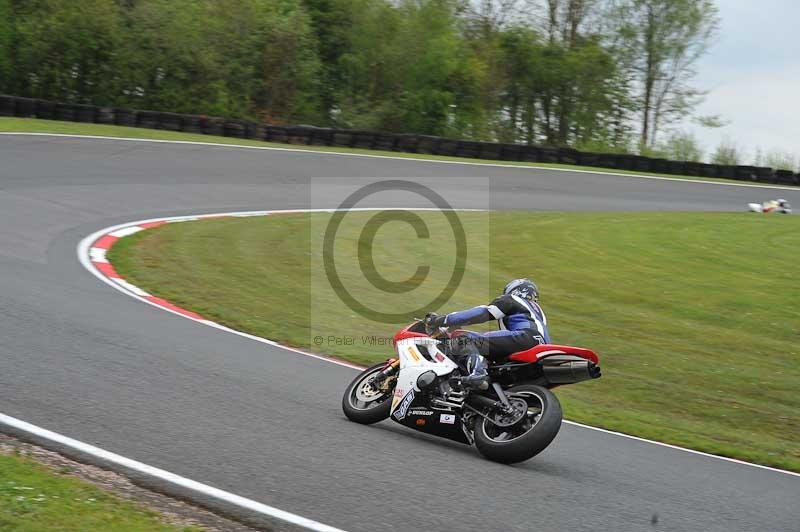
(506, 418)
(367, 393)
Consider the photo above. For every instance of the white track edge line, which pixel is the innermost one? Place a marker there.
(166, 476)
(684, 449)
(397, 158)
(83, 256)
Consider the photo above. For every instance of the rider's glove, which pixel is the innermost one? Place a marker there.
(433, 322)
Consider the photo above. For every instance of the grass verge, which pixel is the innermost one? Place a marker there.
(34, 498)
(32, 125)
(695, 316)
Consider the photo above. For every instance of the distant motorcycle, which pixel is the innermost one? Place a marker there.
(515, 419)
(780, 206)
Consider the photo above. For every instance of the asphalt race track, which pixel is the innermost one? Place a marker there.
(79, 358)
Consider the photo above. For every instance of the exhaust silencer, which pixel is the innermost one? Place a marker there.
(569, 369)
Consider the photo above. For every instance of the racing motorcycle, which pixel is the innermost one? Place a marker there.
(512, 420)
(780, 206)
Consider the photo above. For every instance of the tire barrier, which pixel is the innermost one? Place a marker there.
(124, 117)
(45, 110)
(65, 111)
(408, 143)
(86, 113)
(25, 107)
(192, 124)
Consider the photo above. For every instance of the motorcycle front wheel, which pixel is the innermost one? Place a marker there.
(365, 403)
(527, 437)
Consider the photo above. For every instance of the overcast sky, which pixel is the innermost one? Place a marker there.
(753, 73)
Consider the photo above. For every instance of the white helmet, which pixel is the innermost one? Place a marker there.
(524, 288)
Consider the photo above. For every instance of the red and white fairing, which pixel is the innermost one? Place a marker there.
(414, 363)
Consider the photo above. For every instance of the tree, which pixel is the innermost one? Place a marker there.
(521, 61)
(480, 101)
(682, 146)
(64, 50)
(533, 71)
(172, 63)
(559, 79)
(283, 53)
(565, 20)
(332, 21)
(493, 16)
(433, 47)
(758, 157)
(726, 153)
(6, 42)
(404, 67)
(589, 116)
(241, 59)
(367, 68)
(782, 160)
(664, 39)
(563, 26)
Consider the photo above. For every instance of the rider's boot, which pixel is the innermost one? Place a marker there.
(478, 378)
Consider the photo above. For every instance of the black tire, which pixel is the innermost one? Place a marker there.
(535, 434)
(366, 412)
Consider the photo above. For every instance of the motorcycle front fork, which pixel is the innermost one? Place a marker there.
(391, 368)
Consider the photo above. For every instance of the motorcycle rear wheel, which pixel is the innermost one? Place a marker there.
(362, 402)
(529, 437)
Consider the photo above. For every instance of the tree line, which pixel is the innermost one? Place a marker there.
(603, 75)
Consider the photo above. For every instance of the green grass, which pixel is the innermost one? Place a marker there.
(32, 125)
(695, 316)
(34, 498)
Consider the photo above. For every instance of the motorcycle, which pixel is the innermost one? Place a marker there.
(512, 420)
(780, 206)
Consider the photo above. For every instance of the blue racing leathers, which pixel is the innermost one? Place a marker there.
(522, 322)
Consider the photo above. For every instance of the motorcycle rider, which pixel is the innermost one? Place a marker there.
(522, 323)
(779, 205)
